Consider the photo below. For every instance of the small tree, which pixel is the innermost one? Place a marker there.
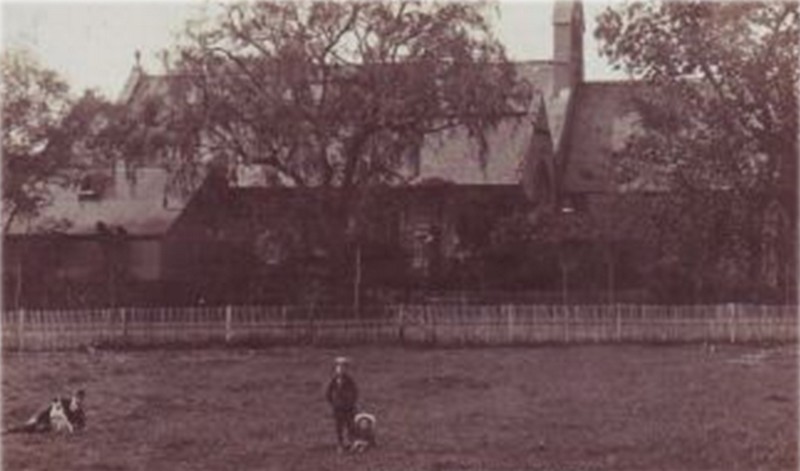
(34, 103)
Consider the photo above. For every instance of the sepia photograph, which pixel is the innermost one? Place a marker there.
(399, 235)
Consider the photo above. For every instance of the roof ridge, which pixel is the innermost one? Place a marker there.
(536, 61)
(612, 82)
(167, 75)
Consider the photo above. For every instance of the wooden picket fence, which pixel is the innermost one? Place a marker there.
(434, 325)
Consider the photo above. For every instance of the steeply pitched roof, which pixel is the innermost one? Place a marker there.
(452, 155)
(142, 86)
(137, 206)
(603, 119)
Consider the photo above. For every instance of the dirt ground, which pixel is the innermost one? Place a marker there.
(549, 408)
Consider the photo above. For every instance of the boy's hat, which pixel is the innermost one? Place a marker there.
(341, 361)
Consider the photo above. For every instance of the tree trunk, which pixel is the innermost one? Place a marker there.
(357, 283)
(611, 280)
(754, 233)
(18, 281)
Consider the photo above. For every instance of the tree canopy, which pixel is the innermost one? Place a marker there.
(723, 109)
(50, 138)
(35, 101)
(342, 94)
(718, 129)
(335, 96)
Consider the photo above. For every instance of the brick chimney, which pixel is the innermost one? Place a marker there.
(568, 27)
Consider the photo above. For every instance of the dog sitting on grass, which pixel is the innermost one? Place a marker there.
(60, 415)
(363, 432)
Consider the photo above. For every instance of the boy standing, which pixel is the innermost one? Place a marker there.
(342, 395)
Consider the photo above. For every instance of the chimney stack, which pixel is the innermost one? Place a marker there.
(568, 27)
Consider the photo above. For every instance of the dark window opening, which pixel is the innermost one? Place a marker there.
(89, 188)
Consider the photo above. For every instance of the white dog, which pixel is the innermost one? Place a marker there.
(364, 432)
(59, 421)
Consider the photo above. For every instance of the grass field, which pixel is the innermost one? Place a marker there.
(549, 408)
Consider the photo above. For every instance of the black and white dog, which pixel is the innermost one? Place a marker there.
(363, 432)
(60, 415)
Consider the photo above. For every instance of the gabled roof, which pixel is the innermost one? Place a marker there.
(452, 155)
(557, 108)
(138, 207)
(604, 118)
(131, 84)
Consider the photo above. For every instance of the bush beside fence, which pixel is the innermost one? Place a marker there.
(435, 325)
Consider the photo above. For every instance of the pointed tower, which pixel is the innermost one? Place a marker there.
(568, 30)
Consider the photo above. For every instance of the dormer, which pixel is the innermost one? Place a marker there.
(92, 187)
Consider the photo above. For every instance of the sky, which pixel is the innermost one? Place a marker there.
(92, 44)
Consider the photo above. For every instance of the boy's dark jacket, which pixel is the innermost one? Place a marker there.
(342, 393)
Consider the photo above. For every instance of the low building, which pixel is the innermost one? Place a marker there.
(98, 243)
(542, 220)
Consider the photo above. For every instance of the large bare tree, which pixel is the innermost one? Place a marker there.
(343, 94)
(335, 96)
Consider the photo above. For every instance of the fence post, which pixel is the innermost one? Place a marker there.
(711, 322)
(108, 326)
(732, 322)
(284, 324)
(619, 322)
(509, 323)
(310, 334)
(123, 314)
(20, 328)
(401, 324)
(432, 322)
(228, 323)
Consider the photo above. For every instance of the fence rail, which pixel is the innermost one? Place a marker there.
(441, 325)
